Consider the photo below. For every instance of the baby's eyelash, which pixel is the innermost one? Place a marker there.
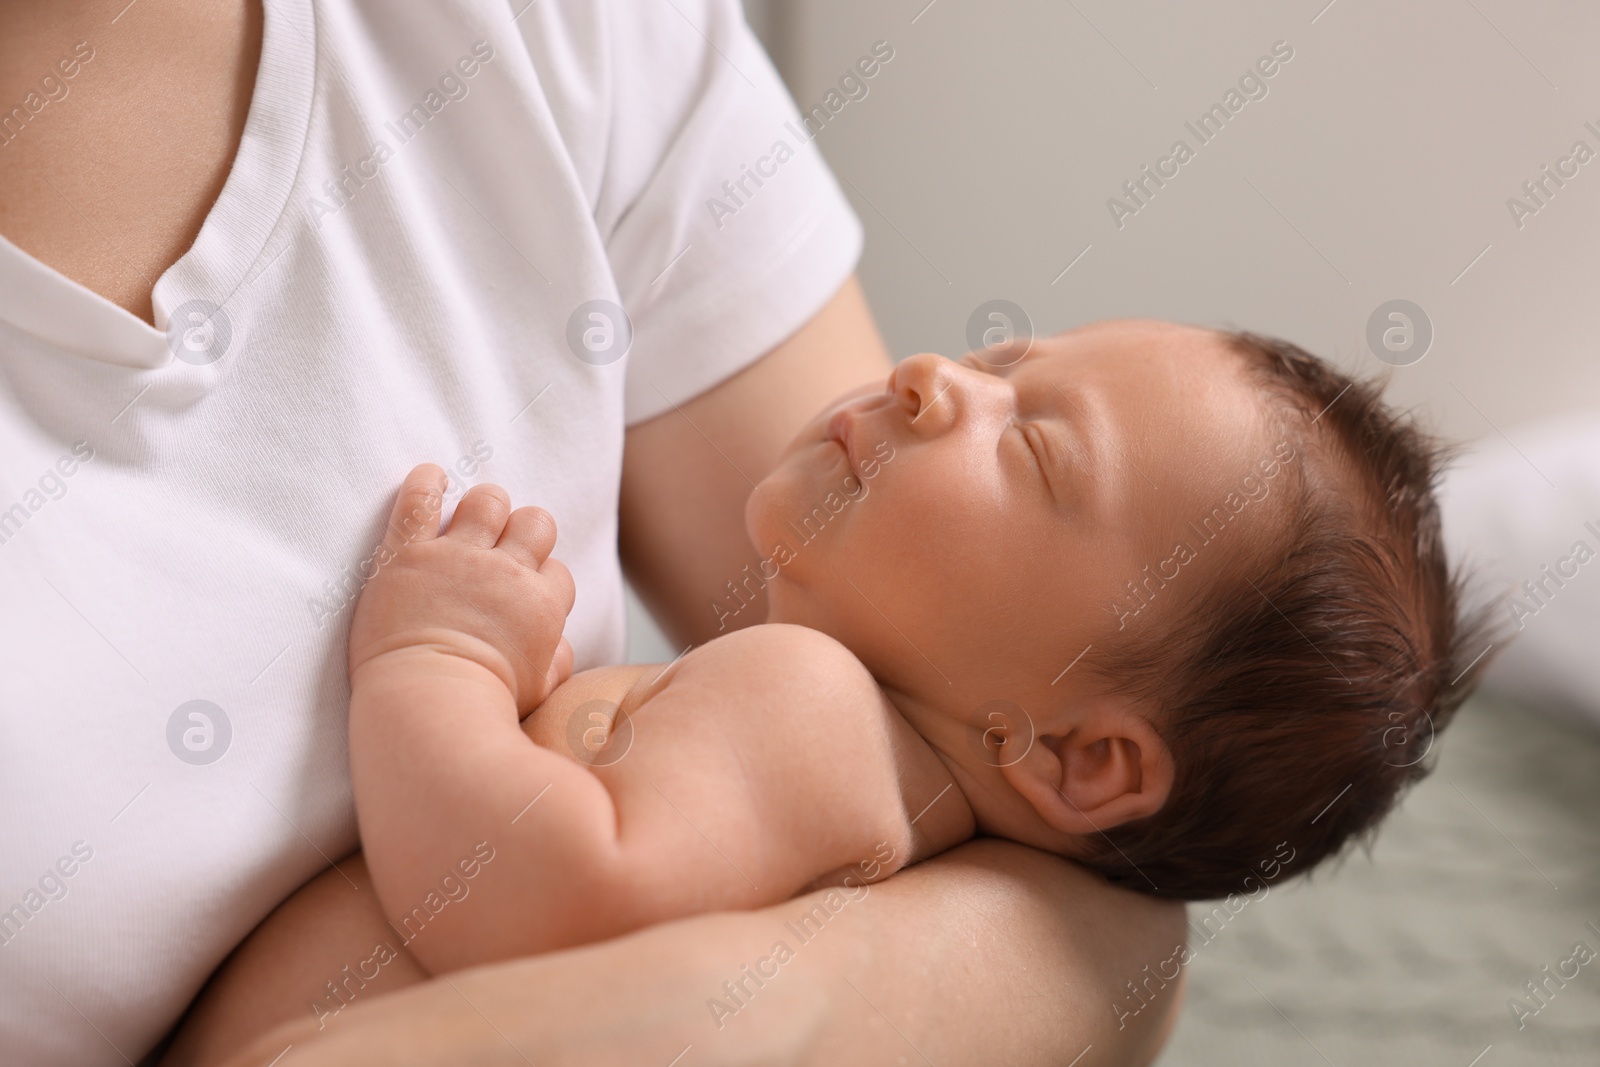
(1036, 445)
(1030, 434)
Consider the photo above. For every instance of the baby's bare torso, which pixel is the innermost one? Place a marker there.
(824, 727)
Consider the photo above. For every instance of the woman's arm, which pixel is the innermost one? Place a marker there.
(991, 953)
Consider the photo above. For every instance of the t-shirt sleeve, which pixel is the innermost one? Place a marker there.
(724, 228)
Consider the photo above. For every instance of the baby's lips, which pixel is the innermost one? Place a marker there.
(845, 424)
(856, 399)
(841, 428)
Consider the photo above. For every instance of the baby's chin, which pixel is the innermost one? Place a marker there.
(807, 467)
(780, 498)
(763, 507)
(757, 507)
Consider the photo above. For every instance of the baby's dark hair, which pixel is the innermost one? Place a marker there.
(1300, 702)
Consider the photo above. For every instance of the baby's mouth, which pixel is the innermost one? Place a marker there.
(845, 423)
(842, 429)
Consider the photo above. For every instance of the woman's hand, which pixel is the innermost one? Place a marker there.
(486, 591)
(989, 953)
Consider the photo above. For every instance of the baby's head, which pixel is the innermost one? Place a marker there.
(1166, 600)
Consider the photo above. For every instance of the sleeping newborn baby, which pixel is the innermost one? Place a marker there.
(1168, 602)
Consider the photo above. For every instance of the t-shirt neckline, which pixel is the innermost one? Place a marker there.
(41, 301)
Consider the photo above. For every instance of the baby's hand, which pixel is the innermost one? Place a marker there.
(486, 590)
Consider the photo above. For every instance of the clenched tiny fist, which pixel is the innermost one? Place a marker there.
(486, 590)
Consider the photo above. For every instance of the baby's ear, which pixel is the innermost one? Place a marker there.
(1104, 765)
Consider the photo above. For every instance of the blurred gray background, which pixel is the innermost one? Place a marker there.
(1377, 167)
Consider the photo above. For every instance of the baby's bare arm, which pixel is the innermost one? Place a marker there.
(745, 780)
(766, 759)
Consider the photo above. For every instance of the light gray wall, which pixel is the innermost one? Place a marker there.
(770, 19)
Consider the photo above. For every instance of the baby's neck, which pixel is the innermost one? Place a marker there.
(933, 789)
(936, 719)
(968, 759)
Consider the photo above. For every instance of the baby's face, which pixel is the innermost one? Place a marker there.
(970, 527)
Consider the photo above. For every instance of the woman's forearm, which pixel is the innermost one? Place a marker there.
(991, 953)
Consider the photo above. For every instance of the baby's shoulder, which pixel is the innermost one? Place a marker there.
(773, 673)
(787, 657)
(787, 638)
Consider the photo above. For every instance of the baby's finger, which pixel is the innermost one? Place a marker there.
(415, 515)
(480, 516)
(529, 536)
(560, 667)
(554, 571)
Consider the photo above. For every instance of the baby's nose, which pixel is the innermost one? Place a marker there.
(924, 385)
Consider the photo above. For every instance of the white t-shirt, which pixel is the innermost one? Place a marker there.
(426, 199)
